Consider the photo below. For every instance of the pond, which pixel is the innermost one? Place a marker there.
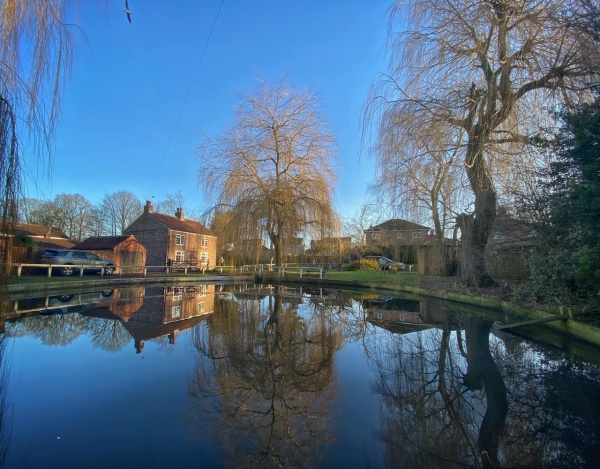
(272, 376)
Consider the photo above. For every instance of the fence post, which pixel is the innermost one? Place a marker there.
(321, 272)
(49, 270)
(145, 270)
(301, 269)
(18, 270)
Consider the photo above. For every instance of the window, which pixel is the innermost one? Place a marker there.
(179, 257)
(203, 258)
(201, 307)
(202, 290)
(417, 234)
(375, 236)
(204, 242)
(176, 311)
(399, 235)
(180, 240)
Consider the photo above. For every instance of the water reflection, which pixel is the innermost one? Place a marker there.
(263, 377)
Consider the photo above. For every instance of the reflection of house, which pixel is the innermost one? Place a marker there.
(168, 310)
(176, 238)
(125, 251)
(27, 241)
(397, 315)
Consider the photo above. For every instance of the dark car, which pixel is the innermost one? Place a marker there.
(71, 259)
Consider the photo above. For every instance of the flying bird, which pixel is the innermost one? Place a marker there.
(127, 10)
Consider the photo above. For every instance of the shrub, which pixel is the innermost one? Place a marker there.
(363, 264)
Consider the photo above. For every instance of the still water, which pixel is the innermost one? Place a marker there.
(259, 376)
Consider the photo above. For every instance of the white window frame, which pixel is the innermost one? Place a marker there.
(176, 311)
(179, 256)
(180, 239)
(375, 236)
(203, 257)
(399, 235)
(201, 307)
(204, 242)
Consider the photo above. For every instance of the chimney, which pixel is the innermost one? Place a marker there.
(148, 207)
(179, 213)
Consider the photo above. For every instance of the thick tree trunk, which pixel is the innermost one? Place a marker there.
(476, 228)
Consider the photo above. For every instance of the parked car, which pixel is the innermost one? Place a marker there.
(70, 259)
(386, 263)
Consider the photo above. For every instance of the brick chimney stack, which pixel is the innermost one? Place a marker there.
(148, 207)
(179, 213)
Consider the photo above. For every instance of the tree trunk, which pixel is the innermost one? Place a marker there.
(475, 228)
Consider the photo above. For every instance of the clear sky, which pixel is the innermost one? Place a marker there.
(142, 93)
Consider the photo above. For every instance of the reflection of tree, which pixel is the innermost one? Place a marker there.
(477, 401)
(107, 334)
(431, 418)
(56, 329)
(265, 380)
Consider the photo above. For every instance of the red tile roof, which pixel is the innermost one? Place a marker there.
(101, 242)
(189, 226)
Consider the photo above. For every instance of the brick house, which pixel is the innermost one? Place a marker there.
(126, 251)
(166, 237)
(398, 239)
(397, 232)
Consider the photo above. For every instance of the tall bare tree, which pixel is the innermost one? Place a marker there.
(273, 166)
(73, 214)
(479, 73)
(120, 208)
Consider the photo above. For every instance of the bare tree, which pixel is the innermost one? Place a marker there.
(120, 208)
(72, 213)
(478, 73)
(355, 226)
(272, 168)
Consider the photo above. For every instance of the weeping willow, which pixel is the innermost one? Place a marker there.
(36, 54)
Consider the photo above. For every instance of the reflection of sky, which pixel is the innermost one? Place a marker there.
(72, 405)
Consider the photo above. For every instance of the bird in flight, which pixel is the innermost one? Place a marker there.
(127, 10)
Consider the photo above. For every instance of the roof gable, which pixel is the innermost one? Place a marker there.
(397, 224)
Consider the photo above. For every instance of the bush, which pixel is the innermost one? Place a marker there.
(363, 264)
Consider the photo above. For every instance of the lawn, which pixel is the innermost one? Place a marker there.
(370, 277)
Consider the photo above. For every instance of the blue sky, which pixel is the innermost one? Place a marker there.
(140, 96)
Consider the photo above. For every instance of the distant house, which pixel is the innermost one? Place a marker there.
(397, 232)
(173, 238)
(26, 241)
(398, 239)
(126, 251)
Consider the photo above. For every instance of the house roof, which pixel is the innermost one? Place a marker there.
(177, 224)
(35, 231)
(397, 224)
(46, 237)
(101, 242)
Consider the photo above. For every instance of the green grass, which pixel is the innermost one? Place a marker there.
(370, 277)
